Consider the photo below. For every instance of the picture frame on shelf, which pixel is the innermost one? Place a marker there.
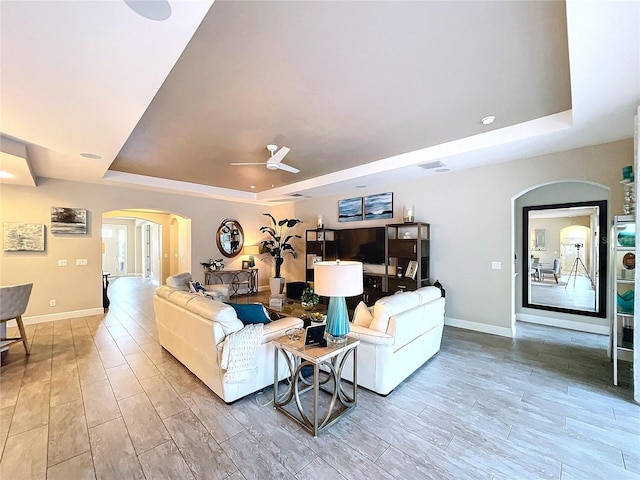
(246, 265)
(412, 269)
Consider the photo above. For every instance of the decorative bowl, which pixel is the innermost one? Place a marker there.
(294, 333)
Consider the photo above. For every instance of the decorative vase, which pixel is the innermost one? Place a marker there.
(308, 306)
(276, 284)
(627, 238)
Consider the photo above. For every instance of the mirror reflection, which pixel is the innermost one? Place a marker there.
(230, 238)
(564, 257)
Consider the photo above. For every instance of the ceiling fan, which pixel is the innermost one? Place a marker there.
(274, 163)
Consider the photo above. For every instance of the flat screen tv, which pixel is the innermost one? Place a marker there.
(364, 245)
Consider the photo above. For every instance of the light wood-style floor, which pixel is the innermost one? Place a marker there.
(99, 398)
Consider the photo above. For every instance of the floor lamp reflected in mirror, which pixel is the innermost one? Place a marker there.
(337, 280)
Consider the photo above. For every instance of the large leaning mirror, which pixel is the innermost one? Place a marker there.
(230, 238)
(564, 252)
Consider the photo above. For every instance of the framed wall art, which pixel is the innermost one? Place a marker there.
(68, 220)
(378, 206)
(23, 237)
(350, 210)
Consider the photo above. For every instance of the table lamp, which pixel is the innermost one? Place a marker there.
(337, 280)
(251, 250)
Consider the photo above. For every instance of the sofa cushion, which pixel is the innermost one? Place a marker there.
(181, 298)
(249, 313)
(181, 281)
(362, 315)
(428, 294)
(370, 336)
(164, 291)
(388, 306)
(217, 312)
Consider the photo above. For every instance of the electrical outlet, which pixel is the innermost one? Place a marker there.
(52, 303)
(81, 261)
(496, 265)
(62, 263)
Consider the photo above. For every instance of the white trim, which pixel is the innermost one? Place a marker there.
(479, 327)
(52, 317)
(567, 324)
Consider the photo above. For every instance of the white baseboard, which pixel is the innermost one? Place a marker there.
(479, 327)
(566, 324)
(52, 317)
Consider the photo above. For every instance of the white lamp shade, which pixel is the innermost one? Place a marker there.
(337, 279)
(250, 250)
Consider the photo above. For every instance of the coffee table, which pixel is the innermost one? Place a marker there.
(327, 363)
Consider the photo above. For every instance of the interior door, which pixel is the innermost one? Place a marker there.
(114, 249)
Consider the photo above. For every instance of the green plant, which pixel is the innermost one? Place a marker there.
(309, 296)
(279, 245)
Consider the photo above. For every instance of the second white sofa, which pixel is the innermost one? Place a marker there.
(405, 331)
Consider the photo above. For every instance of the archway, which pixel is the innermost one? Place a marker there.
(158, 241)
(557, 193)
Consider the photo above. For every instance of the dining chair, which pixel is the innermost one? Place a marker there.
(13, 303)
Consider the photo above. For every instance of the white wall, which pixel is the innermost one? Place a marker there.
(471, 219)
(78, 290)
(470, 213)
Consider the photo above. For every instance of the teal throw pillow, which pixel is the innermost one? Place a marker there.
(249, 313)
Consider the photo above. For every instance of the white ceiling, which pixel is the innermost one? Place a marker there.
(361, 92)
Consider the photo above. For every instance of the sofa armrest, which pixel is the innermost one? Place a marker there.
(367, 335)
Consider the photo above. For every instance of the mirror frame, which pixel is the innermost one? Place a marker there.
(603, 260)
(228, 226)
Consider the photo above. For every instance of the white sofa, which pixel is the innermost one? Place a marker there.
(405, 332)
(192, 328)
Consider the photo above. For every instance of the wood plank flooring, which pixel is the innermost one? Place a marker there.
(99, 398)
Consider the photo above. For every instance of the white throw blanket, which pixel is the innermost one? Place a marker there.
(239, 353)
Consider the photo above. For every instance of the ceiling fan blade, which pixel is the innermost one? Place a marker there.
(247, 163)
(279, 155)
(287, 168)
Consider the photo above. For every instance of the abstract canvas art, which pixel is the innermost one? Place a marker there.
(68, 220)
(350, 210)
(378, 206)
(23, 237)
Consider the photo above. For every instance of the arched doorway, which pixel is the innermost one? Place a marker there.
(525, 245)
(157, 243)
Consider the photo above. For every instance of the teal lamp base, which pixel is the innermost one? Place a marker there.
(337, 321)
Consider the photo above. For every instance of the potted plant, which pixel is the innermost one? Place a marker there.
(309, 299)
(278, 246)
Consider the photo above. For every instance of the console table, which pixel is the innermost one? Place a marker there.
(236, 278)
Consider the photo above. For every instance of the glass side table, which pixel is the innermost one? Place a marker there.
(327, 364)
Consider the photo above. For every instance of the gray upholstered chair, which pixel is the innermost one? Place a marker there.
(555, 270)
(182, 281)
(13, 303)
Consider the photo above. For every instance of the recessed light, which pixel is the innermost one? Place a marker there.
(488, 120)
(252, 187)
(152, 9)
(4, 174)
(92, 156)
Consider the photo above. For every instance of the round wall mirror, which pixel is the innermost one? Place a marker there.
(230, 238)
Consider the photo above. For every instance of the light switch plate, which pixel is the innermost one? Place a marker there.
(81, 261)
(62, 263)
(496, 265)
